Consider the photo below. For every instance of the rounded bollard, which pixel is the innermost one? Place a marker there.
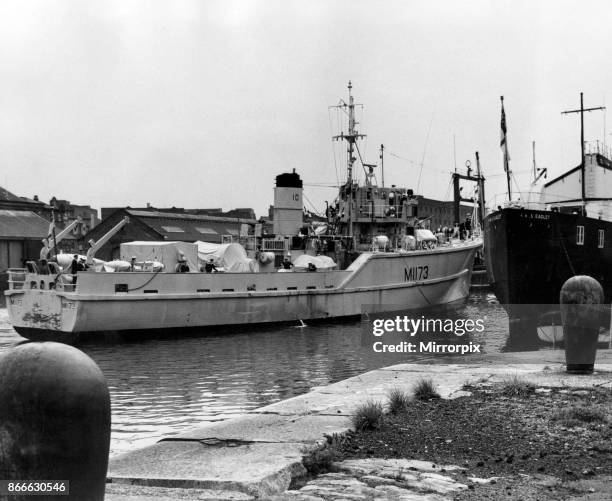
(54, 420)
(580, 298)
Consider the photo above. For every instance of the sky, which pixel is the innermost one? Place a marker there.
(201, 103)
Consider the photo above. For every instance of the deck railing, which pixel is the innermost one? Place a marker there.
(16, 277)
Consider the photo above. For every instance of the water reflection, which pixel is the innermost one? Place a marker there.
(162, 387)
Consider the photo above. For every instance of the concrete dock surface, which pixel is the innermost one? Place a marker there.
(258, 455)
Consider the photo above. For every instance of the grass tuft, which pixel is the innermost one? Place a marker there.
(517, 387)
(320, 461)
(399, 401)
(424, 389)
(368, 416)
(576, 416)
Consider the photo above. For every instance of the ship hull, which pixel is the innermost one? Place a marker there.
(530, 254)
(375, 282)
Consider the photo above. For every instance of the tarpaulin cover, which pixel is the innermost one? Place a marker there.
(230, 257)
(321, 262)
(422, 234)
(65, 261)
(116, 265)
(166, 253)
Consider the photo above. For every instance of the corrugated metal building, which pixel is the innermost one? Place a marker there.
(165, 226)
(21, 234)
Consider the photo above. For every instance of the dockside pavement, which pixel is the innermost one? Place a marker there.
(259, 454)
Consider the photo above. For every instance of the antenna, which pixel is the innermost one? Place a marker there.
(382, 164)
(455, 152)
(582, 160)
(538, 172)
(534, 161)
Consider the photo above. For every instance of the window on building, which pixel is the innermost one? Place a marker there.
(600, 239)
(206, 231)
(173, 229)
(579, 235)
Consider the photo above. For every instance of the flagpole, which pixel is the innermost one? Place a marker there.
(504, 145)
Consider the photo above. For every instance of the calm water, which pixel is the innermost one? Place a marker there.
(163, 387)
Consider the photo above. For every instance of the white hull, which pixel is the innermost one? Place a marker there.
(374, 282)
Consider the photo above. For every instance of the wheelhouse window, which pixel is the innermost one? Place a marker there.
(579, 235)
(600, 239)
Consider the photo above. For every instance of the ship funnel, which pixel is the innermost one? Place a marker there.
(288, 205)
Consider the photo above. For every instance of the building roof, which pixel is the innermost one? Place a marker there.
(12, 201)
(22, 224)
(7, 195)
(189, 217)
(189, 227)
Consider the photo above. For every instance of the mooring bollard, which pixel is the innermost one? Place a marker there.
(54, 422)
(581, 297)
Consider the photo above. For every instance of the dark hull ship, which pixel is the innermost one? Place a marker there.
(532, 248)
(531, 253)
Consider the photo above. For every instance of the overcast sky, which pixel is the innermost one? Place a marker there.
(202, 103)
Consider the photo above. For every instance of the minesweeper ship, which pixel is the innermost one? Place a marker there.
(387, 263)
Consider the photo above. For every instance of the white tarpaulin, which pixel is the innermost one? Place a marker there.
(422, 235)
(65, 261)
(166, 253)
(321, 262)
(230, 257)
(116, 265)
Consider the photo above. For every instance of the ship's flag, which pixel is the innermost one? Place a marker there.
(503, 142)
(51, 234)
(51, 230)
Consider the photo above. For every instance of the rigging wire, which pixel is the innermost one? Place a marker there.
(331, 130)
(424, 152)
(450, 184)
(322, 185)
(312, 205)
(361, 159)
(416, 164)
(518, 189)
(513, 172)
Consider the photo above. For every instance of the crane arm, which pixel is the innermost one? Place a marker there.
(50, 243)
(95, 246)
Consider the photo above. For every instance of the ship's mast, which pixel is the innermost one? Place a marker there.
(535, 171)
(582, 155)
(382, 164)
(351, 138)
